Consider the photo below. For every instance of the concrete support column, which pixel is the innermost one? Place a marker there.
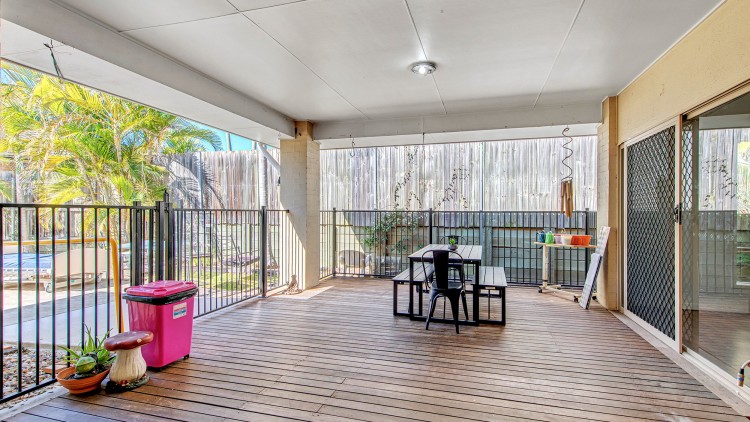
(608, 203)
(300, 194)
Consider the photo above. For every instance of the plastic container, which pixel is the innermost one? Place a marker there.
(166, 309)
(581, 240)
(558, 239)
(549, 237)
(566, 239)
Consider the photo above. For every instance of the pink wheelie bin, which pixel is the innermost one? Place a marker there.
(166, 309)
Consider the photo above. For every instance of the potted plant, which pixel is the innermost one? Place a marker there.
(453, 243)
(90, 365)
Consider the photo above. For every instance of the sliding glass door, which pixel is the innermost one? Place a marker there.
(715, 234)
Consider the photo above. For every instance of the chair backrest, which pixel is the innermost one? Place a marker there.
(440, 260)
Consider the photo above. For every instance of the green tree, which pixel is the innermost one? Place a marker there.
(73, 144)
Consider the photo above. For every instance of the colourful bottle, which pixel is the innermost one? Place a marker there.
(550, 238)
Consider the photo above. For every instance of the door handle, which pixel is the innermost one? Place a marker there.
(677, 213)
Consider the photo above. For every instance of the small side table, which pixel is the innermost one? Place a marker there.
(546, 287)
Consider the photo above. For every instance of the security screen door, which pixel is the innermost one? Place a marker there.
(650, 231)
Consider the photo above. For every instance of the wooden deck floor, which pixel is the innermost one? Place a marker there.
(341, 355)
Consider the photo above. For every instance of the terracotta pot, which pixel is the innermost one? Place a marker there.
(83, 385)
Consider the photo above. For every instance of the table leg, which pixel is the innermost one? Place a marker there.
(545, 268)
(420, 290)
(475, 294)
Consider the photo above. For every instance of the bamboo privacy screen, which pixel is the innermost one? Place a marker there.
(519, 175)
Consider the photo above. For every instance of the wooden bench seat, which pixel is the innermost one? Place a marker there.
(492, 279)
(420, 276)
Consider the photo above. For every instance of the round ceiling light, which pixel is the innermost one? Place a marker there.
(423, 68)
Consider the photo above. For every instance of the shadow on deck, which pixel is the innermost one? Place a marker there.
(341, 355)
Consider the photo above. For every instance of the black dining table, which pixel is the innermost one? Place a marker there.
(471, 254)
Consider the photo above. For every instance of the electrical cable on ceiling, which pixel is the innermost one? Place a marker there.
(51, 47)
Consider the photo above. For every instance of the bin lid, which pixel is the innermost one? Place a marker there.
(160, 288)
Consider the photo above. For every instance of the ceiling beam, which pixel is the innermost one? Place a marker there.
(586, 129)
(452, 123)
(85, 34)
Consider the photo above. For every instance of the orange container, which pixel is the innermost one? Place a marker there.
(581, 240)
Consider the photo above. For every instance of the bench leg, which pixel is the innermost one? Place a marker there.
(395, 298)
(502, 318)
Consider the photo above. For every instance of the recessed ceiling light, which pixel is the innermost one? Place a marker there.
(423, 68)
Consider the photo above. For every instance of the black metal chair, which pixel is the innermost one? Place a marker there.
(440, 284)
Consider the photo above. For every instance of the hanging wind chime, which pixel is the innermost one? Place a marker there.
(566, 184)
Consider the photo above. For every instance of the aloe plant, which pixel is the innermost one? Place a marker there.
(92, 358)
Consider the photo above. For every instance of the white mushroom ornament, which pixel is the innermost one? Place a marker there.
(129, 368)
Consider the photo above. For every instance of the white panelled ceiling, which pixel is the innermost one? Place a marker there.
(343, 63)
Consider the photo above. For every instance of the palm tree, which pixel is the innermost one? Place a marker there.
(73, 144)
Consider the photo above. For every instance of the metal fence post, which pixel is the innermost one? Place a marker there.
(334, 245)
(429, 219)
(136, 244)
(263, 250)
(170, 239)
(483, 238)
(159, 221)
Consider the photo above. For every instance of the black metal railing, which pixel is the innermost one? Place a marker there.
(327, 244)
(284, 256)
(62, 270)
(220, 251)
(64, 267)
(377, 243)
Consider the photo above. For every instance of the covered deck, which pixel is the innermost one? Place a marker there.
(335, 352)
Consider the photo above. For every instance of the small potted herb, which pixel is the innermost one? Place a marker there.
(90, 365)
(452, 243)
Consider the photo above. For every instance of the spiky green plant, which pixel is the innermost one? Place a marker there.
(92, 348)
